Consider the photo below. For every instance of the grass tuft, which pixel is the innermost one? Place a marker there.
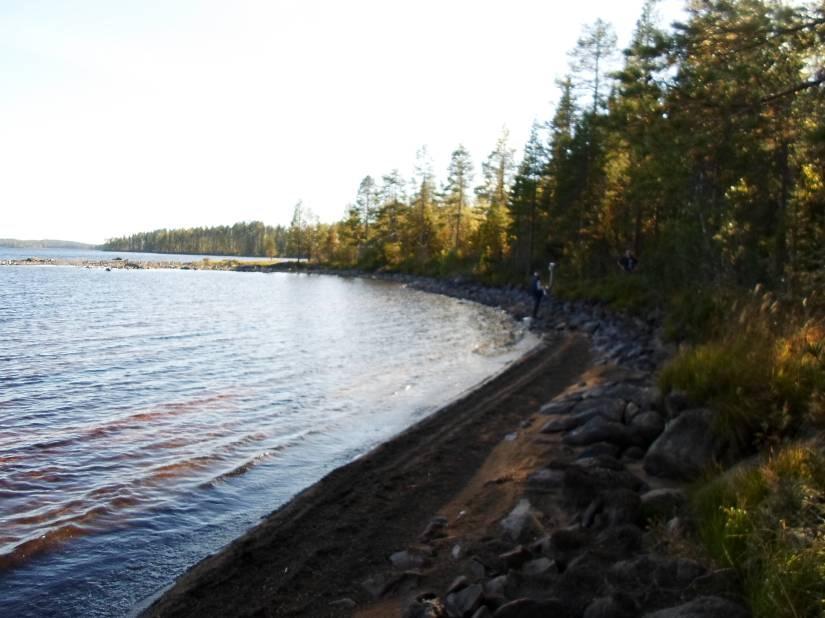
(768, 522)
(627, 293)
(764, 376)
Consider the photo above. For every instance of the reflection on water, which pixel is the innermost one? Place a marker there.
(148, 417)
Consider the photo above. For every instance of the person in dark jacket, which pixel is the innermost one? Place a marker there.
(628, 262)
(538, 291)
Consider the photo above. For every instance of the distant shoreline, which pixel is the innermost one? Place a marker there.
(46, 243)
(119, 262)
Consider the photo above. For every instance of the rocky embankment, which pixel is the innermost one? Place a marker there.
(592, 530)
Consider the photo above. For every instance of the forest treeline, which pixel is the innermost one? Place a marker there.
(700, 147)
(252, 238)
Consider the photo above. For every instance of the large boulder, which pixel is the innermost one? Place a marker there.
(585, 410)
(648, 426)
(558, 407)
(654, 574)
(608, 407)
(599, 429)
(584, 484)
(645, 397)
(522, 524)
(465, 601)
(686, 448)
(663, 504)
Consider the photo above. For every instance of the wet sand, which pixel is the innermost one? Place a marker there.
(312, 556)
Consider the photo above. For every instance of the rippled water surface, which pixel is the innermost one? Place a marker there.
(21, 253)
(147, 417)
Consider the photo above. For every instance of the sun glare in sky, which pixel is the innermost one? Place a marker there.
(128, 116)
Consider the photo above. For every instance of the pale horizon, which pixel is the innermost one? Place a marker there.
(119, 118)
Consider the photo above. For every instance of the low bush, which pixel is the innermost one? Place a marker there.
(764, 375)
(696, 315)
(768, 522)
(629, 293)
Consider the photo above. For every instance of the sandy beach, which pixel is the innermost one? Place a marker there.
(322, 546)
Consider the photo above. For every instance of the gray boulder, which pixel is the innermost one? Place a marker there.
(598, 449)
(648, 426)
(464, 602)
(405, 560)
(645, 397)
(622, 506)
(501, 586)
(600, 461)
(584, 411)
(538, 566)
(558, 407)
(546, 478)
(607, 407)
(662, 504)
(582, 485)
(521, 524)
(657, 572)
(599, 429)
(686, 448)
(619, 542)
(675, 402)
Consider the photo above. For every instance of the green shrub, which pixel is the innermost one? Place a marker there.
(628, 293)
(763, 375)
(696, 315)
(768, 522)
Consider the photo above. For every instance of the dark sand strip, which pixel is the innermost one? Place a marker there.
(323, 543)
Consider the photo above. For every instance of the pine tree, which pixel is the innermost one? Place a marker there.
(524, 199)
(493, 195)
(457, 191)
(592, 60)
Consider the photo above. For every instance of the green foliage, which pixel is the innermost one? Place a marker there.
(766, 522)
(764, 374)
(696, 315)
(249, 239)
(705, 159)
(627, 293)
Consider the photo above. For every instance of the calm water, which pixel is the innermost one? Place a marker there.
(148, 417)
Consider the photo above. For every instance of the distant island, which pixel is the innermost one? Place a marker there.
(44, 244)
(252, 238)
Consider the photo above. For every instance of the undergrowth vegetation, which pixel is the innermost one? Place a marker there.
(762, 370)
(759, 363)
(631, 294)
(768, 522)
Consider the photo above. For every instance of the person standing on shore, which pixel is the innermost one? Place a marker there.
(628, 262)
(538, 291)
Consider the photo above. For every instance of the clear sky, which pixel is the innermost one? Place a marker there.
(120, 116)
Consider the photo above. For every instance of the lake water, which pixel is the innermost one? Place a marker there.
(148, 417)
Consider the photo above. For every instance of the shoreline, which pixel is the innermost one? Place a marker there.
(361, 512)
(291, 563)
(330, 553)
